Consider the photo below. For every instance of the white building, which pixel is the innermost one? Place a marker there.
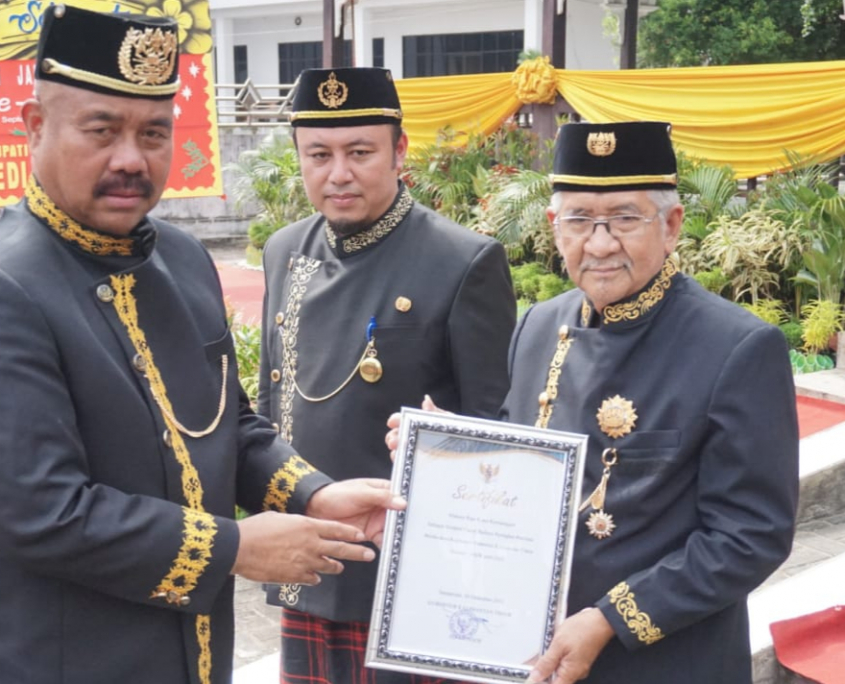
(271, 41)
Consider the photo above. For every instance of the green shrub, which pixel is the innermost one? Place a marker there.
(793, 332)
(821, 319)
(714, 280)
(248, 353)
(769, 310)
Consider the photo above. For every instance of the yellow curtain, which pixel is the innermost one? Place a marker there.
(748, 117)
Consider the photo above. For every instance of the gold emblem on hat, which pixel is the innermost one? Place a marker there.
(332, 93)
(601, 144)
(616, 416)
(148, 57)
(403, 304)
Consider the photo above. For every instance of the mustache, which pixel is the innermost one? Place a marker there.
(133, 184)
(591, 264)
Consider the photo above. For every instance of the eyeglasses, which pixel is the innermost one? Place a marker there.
(618, 226)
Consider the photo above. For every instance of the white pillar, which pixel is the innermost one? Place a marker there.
(533, 34)
(224, 45)
(362, 38)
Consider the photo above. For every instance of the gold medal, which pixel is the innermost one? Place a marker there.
(370, 368)
(600, 524)
(616, 416)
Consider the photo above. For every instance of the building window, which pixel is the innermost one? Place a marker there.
(294, 57)
(461, 53)
(378, 52)
(241, 64)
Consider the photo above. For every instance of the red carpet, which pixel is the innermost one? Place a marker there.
(815, 415)
(244, 289)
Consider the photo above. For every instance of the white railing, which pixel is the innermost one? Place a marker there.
(249, 104)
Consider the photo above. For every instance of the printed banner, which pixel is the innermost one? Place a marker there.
(196, 169)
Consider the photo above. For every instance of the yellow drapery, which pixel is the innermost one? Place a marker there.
(747, 117)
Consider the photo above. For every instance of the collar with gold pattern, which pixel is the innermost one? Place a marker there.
(71, 231)
(352, 244)
(637, 306)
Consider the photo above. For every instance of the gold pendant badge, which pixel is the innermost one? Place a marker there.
(332, 93)
(148, 57)
(616, 416)
(601, 144)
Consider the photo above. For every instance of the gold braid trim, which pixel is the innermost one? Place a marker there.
(302, 270)
(550, 394)
(199, 527)
(91, 241)
(283, 483)
(384, 226)
(203, 626)
(638, 622)
(630, 311)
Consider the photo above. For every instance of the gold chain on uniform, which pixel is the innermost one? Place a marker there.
(221, 406)
(367, 352)
(548, 396)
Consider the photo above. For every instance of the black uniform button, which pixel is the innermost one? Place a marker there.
(105, 293)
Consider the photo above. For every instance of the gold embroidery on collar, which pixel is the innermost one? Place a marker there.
(91, 241)
(283, 483)
(638, 622)
(548, 396)
(384, 226)
(630, 311)
(199, 528)
(302, 270)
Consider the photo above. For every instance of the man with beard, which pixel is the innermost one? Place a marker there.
(125, 439)
(691, 473)
(371, 304)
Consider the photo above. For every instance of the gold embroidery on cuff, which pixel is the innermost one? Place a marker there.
(69, 230)
(638, 622)
(283, 483)
(630, 311)
(199, 530)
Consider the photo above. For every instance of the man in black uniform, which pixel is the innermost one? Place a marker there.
(371, 304)
(125, 440)
(690, 481)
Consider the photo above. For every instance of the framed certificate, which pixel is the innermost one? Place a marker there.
(474, 572)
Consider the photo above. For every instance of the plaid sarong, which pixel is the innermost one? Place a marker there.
(318, 651)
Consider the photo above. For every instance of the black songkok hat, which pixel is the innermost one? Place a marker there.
(130, 55)
(328, 98)
(635, 155)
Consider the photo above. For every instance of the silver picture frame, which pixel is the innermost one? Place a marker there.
(474, 573)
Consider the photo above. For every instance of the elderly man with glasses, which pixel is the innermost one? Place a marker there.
(690, 480)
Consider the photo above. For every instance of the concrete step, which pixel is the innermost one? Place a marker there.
(811, 578)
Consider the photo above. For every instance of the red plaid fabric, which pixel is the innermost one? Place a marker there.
(317, 651)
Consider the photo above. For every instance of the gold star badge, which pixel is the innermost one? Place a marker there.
(616, 416)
